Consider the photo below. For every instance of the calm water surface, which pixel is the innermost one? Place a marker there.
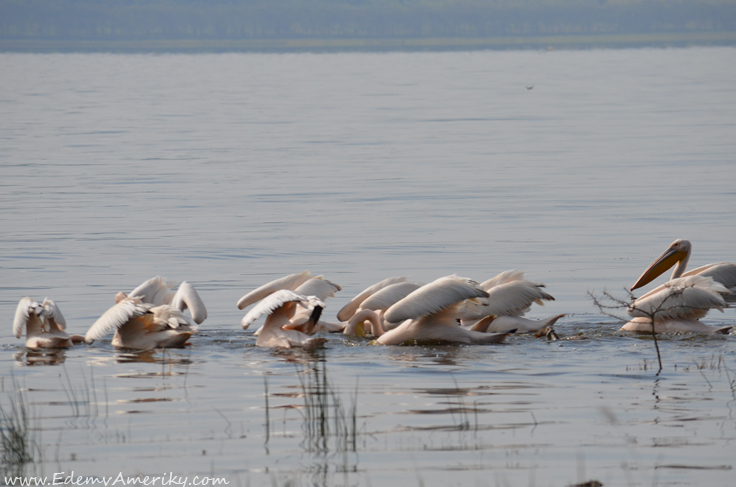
(230, 170)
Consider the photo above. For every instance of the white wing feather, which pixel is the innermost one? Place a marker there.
(116, 317)
(349, 309)
(188, 297)
(172, 317)
(388, 296)
(514, 298)
(22, 315)
(289, 282)
(503, 278)
(268, 304)
(682, 298)
(156, 291)
(55, 312)
(723, 272)
(318, 286)
(433, 298)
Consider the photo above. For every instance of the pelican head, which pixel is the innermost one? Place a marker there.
(678, 252)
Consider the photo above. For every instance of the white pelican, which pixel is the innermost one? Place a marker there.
(280, 307)
(679, 252)
(353, 306)
(430, 314)
(44, 325)
(303, 284)
(378, 303)
(290, 282)
(510, 296)
(677, 305)
(158, 291)
(143, 326)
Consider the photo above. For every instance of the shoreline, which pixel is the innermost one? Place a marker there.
(612, 41)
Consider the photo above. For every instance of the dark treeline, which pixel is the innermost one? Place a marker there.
(116, 20)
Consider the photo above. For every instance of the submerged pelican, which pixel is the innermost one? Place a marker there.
(372, 309)
(44, 325)
(510, 296)
(158, 291)
(347, 311)
(143, 326)
(303, 284)
(678, 304)
(430, 314)
(280, 307)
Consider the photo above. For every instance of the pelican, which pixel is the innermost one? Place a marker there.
(280, 307)
(303, 284)
(347, 311)
(143, 326)
(678, 304)
(510, 296)
(679, 253)
(158, 291)
(430, 314)
(44, 325)
(373, 307)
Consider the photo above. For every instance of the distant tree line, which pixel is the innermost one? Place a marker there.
(324, 19)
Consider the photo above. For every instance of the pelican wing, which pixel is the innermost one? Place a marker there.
(723, 272)
(319, 287)
(116, 317)
(23, 315)
(156, 291)
(515, 298)
(349, 309)
(188, 297)
(267, 305)
(167, 316)
(54, 315)
(433, 298)
(289, 282)
(682, 298)
(388, 296)
(503, 278)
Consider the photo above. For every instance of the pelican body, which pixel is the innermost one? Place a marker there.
(44, 325)
(158, 291)
(303, 284)
(280, 307)
(430, 314)
(510, 296)
(677, 305)
(143, 326)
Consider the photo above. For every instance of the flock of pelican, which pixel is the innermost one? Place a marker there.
(394, 311)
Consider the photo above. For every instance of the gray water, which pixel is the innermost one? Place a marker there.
(578, 167)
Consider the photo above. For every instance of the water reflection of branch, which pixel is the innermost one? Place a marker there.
(609, 302)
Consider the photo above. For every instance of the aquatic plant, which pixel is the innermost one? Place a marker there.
(324, 414)
(18, 437)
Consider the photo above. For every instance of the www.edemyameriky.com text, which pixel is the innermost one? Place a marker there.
(120, 480)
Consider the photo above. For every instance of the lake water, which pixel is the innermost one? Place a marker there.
(230, 170)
